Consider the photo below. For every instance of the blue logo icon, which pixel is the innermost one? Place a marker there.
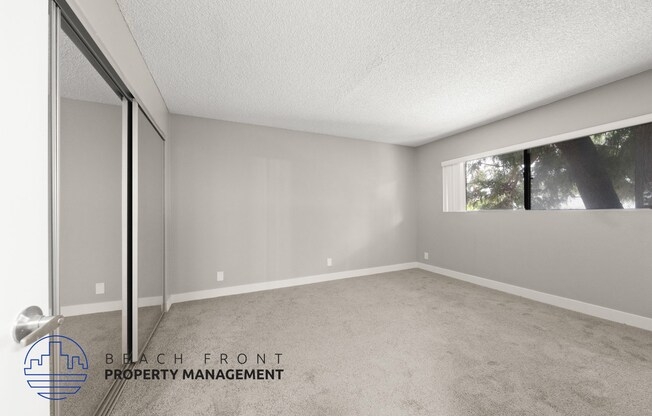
(72, 367)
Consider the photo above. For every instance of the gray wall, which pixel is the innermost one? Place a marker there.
(265, 204)
(90, 197)
(600, 257)
(91, 204)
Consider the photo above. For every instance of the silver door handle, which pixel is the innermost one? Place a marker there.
(31, 325)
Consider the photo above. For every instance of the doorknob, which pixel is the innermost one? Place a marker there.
(31, 325)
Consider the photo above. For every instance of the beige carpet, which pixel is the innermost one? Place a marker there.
(97, 333)
(148, 317)
(403, 343)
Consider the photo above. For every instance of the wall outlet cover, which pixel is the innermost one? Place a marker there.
(426, 255)
(220, 276)
(329, 262)
(99, 288)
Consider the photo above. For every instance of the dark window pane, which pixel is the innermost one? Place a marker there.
(609, 170)
(495, 182)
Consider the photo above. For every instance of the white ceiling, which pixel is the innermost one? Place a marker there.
(404, 72)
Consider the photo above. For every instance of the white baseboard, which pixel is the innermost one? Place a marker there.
(115, 305)
(278, 284)
(87, 308)
(150, 301)
(559, 301)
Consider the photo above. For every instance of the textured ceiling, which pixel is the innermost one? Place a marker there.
(403, 72)
(77, 77)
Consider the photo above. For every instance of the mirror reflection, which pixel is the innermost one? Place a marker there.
(90, 219)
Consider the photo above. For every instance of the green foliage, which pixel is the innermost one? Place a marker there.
(495, 182)
(617, 150)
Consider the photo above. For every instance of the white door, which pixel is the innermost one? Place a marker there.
(24, 263)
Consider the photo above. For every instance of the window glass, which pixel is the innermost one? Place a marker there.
(609, 170)
(495, 182)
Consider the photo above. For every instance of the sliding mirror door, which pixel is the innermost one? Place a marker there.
(149, 238)
(88, 198)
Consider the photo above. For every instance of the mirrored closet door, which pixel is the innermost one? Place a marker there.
(108, 217)
(89, 206)
(149, 222)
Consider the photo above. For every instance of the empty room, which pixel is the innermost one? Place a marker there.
(327, 207)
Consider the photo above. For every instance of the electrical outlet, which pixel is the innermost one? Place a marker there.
(220, 276)
(329, 262)
(99, 288)
(425, 255)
